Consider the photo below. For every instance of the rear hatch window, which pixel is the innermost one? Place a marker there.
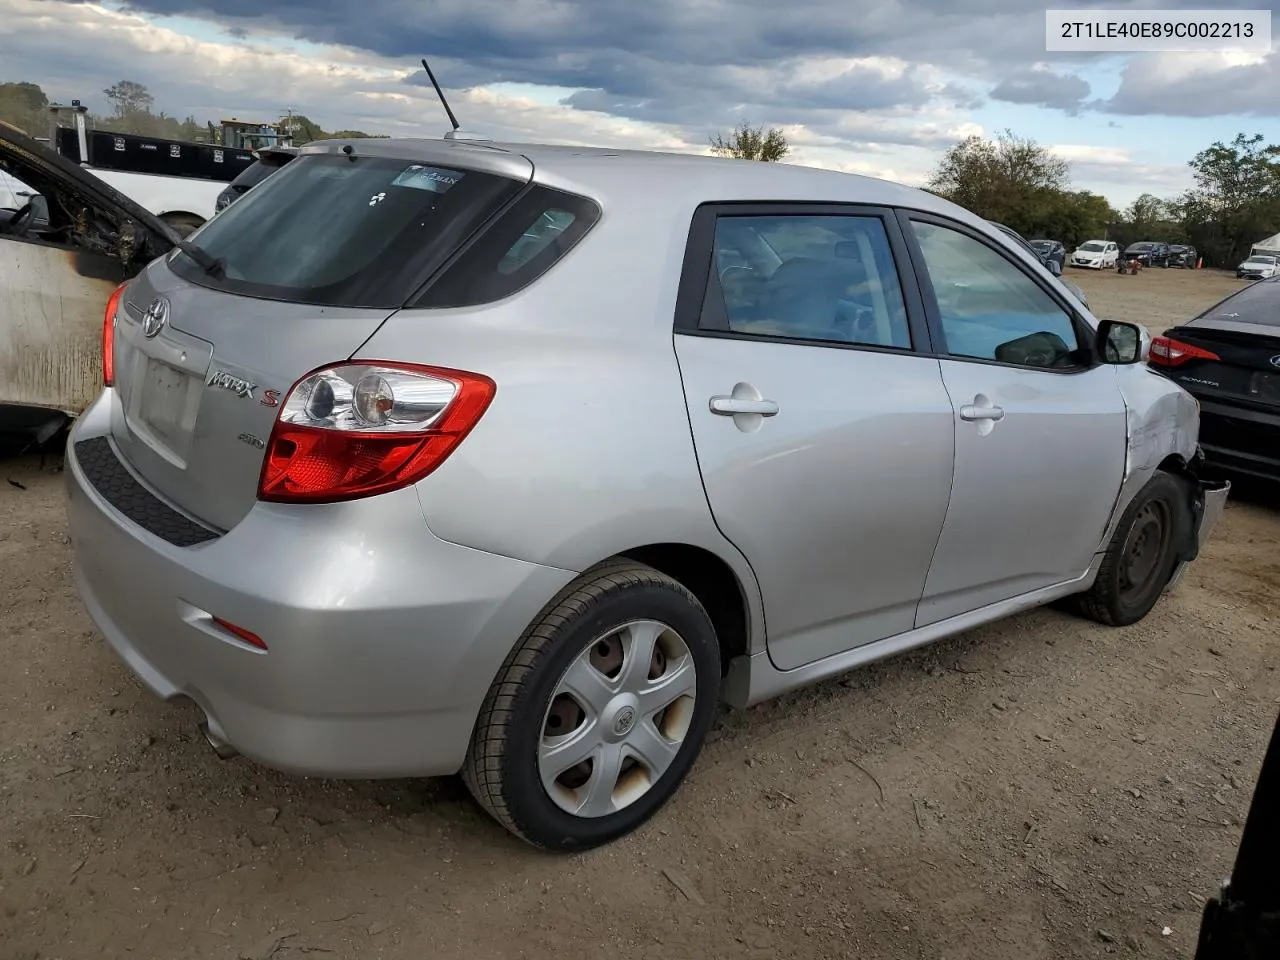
(345, 231)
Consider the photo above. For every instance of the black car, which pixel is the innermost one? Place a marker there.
(1050, 250)
(270, 159)
(1228, 358)
(1243, 921)
(1148, 253)
(1181, 255)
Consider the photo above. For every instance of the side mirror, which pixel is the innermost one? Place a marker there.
(1054, 267)
(1122, 343)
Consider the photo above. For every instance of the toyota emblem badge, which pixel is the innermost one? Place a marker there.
(155, 318)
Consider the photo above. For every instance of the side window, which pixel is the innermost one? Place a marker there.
(823, 278)
(549, 225)
(532, 236)
(990, 309)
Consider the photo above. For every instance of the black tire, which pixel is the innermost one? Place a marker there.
(501, 767)
(1132, 577)
(184, 224)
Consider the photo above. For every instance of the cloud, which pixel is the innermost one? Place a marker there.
(830, 106)
(881, 89)
(1106, 167)
(1041, 87)
(1197, 85)
(345, 89)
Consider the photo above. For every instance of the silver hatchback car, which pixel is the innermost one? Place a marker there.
(433, 456)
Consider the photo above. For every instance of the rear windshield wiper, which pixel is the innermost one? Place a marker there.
(213, 266)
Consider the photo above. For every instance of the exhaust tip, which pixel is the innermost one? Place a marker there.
(224, 750)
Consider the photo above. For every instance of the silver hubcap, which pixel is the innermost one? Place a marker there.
(617, 719)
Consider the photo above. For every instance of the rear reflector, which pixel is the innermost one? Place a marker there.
(241, 633)
(1167, 352)
(108, 336)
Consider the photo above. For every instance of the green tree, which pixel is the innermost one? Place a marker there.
(26, 107)
(1236, 199)
(752, 143)
(1008, 179)
(1148, 210)
(1072, 217)
(129, 97)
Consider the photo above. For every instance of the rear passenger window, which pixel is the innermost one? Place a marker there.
(524, 243)
(823, 278)
(549, 225)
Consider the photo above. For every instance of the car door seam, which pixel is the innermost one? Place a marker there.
(951, 489)
(715, 521)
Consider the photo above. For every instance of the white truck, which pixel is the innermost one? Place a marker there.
(182, 202)
(177, 181)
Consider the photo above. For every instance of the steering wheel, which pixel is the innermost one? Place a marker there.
(21, 221)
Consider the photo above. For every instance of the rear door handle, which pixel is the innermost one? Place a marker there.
(728, 406)
(971, 412)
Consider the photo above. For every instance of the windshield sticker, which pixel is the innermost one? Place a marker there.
(435, 179)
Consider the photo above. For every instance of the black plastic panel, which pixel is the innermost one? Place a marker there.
(122, 490)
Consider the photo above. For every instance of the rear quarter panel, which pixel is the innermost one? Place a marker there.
(586, 450)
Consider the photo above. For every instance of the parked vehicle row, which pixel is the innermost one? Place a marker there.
(1045, 256)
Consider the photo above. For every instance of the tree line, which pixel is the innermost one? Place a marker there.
(1234, 203)
(25, 105)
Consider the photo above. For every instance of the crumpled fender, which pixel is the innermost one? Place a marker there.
(1163, 427)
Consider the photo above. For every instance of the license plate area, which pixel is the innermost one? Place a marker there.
(162, 409)
(1265, 387)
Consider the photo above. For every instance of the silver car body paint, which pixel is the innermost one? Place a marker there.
(387, 618)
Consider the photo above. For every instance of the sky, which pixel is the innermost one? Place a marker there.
(881, 89)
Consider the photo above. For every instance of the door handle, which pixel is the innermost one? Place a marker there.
(729, 406)
(971, 412)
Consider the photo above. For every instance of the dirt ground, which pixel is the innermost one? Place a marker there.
(1039, 788)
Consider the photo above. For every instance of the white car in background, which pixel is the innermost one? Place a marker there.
(1096, 254)
(1257, 267)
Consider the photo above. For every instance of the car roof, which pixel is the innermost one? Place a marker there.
(684, 179)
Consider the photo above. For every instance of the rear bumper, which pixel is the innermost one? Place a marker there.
(382, 639)
(1240, 439)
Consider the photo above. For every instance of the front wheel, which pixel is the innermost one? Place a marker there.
(1140, 558)
(600, 711)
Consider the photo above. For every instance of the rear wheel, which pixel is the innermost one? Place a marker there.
(596, 717)
(1141, 555)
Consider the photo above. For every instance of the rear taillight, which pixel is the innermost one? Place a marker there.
(1167, 352)
(108, 336)
(367, 427)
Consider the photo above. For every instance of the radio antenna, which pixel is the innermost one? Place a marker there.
(440, 93)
